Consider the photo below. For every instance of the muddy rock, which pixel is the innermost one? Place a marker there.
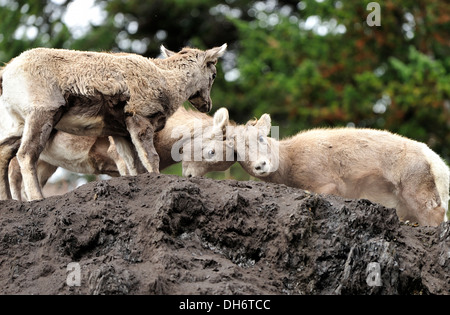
(162, 234)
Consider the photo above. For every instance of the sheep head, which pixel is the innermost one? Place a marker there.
(201, 69)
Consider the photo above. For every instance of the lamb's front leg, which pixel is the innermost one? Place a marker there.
(15, 179)
(38, 127)
(8, 149)
(142, 131)
(121, 152)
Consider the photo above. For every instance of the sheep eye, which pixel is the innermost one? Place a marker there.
(261, 139)
(214, 76)
(180, 150)
(211, 153)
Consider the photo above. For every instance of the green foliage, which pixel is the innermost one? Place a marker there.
(27, 24)
(420, 99)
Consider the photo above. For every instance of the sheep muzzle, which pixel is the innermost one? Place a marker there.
(201, 101)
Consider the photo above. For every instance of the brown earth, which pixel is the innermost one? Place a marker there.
(163, 234)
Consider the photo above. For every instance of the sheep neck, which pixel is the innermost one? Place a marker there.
(178, 77)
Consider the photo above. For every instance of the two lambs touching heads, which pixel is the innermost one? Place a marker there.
(95, 94)
(380, 166)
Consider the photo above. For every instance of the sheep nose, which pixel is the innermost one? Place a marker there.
(189, 176)
(207, 106)
(260, 165)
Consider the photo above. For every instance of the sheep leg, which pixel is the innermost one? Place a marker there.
(38, 127)
(45, 171)
(15, 179)
(8, 149)
(120, 151)
(142, 132)
(117, 158)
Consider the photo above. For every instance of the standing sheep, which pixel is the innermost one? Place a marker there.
(95, 94)
(354, 163)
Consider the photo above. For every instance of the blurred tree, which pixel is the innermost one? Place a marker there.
(27, 24)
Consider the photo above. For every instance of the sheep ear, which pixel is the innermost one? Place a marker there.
(264, 123)
(221, 119)
(166, 52)
(215, 53)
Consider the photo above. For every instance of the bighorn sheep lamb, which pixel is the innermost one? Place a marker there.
(95, 94)
(354, 163)
(97, 155)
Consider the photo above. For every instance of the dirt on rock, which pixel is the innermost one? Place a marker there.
(163, 234)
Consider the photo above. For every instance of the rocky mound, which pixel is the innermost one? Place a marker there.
(162, 234)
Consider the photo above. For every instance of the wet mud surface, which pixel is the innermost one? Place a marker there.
(163, 234)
